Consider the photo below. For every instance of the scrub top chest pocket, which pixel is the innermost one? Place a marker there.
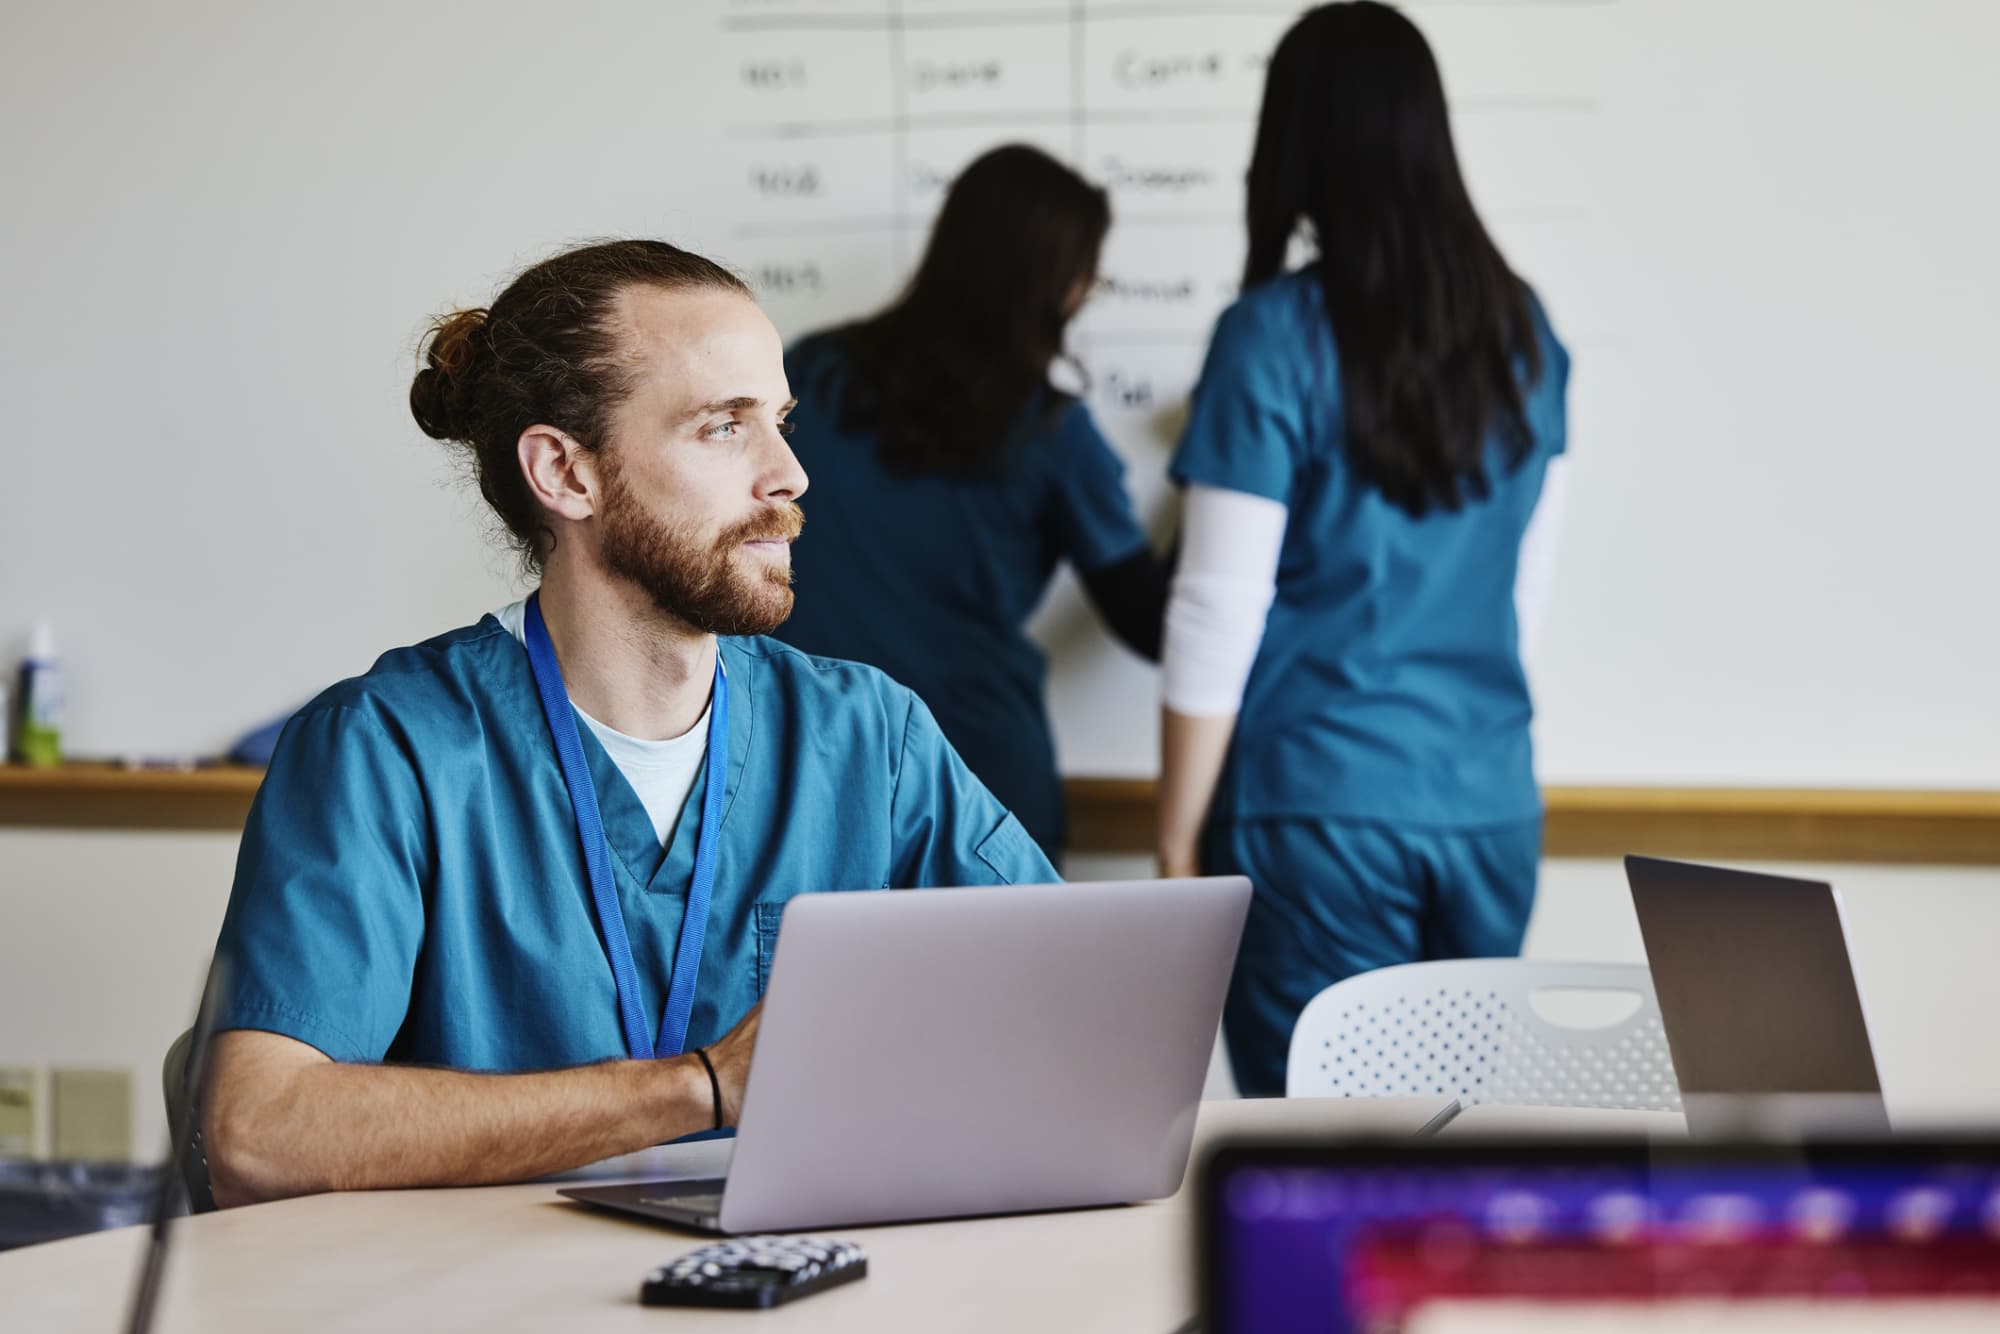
(767, 915)
(770, 913)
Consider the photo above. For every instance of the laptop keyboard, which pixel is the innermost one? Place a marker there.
(699, 1204)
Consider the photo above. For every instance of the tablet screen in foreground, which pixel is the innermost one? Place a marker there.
(1485, 1239)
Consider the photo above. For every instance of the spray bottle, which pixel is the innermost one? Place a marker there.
(38, 741)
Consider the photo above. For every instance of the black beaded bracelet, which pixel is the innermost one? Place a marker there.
(714, 1084)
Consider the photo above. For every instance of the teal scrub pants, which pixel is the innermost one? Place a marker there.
(1335, 898)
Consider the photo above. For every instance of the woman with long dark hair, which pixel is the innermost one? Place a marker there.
(1345, 714)
(951, 477)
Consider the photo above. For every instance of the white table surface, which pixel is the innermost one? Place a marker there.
(521, 1257)
(1502, 1119)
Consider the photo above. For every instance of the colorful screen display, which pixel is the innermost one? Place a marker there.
(1360, 1240)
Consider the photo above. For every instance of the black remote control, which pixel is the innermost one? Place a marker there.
(754, 1272)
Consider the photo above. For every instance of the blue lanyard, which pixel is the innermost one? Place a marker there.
(597, 853)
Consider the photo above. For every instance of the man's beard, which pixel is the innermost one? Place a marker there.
(703, 585)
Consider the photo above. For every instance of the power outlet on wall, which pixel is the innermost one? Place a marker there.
(90, 1114)
(21, 1117)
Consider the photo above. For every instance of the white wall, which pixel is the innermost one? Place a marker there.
(103, 939)
(1762, 225)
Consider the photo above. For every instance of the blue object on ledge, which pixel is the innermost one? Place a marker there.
(255, 746)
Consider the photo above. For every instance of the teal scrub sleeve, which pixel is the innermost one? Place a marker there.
(1546, 398)
(1246, 427)
(327, 912)
(1091, 512)
(1551, 426)
(947, 828)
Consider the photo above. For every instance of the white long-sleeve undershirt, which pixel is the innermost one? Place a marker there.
(1222, 592)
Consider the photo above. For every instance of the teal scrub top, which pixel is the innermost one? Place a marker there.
(411, 886)
(933, 578)
(1388, 685)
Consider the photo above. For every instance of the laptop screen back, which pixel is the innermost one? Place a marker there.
(1756, 990)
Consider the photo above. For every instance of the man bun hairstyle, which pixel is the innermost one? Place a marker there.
(437, 394)
(545, 353)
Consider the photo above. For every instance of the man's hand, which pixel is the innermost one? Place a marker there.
(282, 1119)
(731, 1055)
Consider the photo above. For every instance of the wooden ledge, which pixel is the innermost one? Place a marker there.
(1115, 815)
(1775, 824)
(108, 796)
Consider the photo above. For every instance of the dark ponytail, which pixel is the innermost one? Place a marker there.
(1436, 336)
(943, 375)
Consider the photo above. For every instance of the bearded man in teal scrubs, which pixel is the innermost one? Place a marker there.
(441, 971)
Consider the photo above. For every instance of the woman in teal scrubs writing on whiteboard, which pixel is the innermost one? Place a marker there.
(1368, 474)
(951, 477)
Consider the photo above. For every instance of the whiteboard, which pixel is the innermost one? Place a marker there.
(1763, 226)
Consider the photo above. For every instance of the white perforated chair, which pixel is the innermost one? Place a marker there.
(1470, 1028)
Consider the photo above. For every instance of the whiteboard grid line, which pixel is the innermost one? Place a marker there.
(899, 134)
(961, 120)
(1023, 18)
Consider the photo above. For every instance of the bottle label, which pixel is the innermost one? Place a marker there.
(42, 700)
(40, 741)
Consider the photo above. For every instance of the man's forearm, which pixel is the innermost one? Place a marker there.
(331, 1126)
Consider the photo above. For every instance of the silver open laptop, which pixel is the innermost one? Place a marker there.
(945, 1052)
(1763, 1014)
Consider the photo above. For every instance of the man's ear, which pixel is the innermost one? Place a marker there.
(561, 473)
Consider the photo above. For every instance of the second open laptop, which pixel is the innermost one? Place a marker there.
(1758, 997)
(948, 1052)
